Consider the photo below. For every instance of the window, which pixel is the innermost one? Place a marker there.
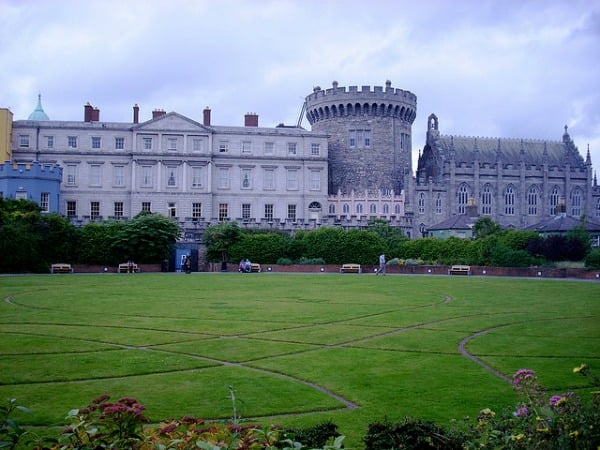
(438, 203)
(223, 178)
(486, 200)
(196, 210)
(372, 208)
(171, 177)
(119, 143)
(291, 212)
(269, 211)
(331, 208)
(269, 148)
(72, 141)
(223, 211)
(119, 176)
(50, 141)
(532, 201)
(598, 208)
(397, 209)
(346, 208)
(359, 208)
(359, 138)
(315, 180)
(576, 202)
(245, 211)
(246, 147)
(96, 142)
(146, 176)
(223, 147)
(21, 195)
(197, 177)
(118, 210)
(315, 149)
(146, 207)
(197, 145)
(71, 208)
(292, 180)
(24, 140)
(462, 197)
(554, 198)
(94, 210)
(421, 203)
(386, 208)
(509, 201)
(172, 210)
(246, 178)
(45, 201)
(171, 144)
(269, 179)
(292, 148)
(95, 175)
(71, 174)
(147, 143)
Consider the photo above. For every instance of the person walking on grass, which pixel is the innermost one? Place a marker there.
(381, 265)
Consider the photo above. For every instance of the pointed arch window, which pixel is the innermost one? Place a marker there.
(554, 199)
(486, 200)
(576, 202)
(332, 209)
(373, 208)
(533, 198)
(462, 197)
(359, 208)
(386, 209)
(438, 203)
(509, 200)
(421, 203)
(346, 208)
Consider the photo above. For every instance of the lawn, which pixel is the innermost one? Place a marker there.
(297, 349)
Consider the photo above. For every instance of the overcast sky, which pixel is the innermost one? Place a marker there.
(503, 68)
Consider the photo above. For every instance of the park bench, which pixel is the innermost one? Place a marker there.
(255, 267)
(459, 270)
(61, 268)
(128, 268)
(350, 268)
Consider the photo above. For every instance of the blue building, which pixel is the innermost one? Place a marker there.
(33, 181)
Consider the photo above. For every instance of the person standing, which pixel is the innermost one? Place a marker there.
(381, 264)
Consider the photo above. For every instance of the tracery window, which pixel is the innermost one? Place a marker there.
(486, 200)
(554, 198)
(532, 201)
(462, 197)
(421, 203)
(509, 201)
(438, 203)
(576, 202)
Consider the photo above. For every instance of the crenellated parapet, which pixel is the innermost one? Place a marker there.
(31, 170)
(376, 101)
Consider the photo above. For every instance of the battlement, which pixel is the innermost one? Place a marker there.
(30, 170)
(386, 93)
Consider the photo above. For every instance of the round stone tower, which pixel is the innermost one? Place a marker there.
(370, 143)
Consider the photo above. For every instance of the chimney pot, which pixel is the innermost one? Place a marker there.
(206, 121)
(158, 113)
(136, 113)
(251, 120)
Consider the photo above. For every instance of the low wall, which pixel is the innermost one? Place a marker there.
(533, 272)
(85, 268)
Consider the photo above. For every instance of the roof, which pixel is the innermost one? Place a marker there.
(456, 222)
(563, 223)
(38, 113)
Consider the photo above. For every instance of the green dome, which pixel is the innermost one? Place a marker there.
(38, 113)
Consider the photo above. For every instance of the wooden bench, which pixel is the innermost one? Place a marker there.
(61, 268)
(128, 268)
(459, 270)
(350, 268)
(255, 267)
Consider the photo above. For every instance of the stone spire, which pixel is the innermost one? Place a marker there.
(38, 113)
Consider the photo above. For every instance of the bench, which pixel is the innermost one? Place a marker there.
(459, 270)
(255, 267)
(61, 268)
(350, 268)
(128, 268)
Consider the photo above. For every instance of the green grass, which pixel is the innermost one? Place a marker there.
(294, 347)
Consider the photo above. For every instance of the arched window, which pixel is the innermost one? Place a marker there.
(509, 201)
(486, 200)
(314, 206)
(554, 198)
(398, 211)
(386, 208)
(533, 197)
(462, 197)
(346, 208)
(598, 208)
(359, 208)
(576, 202)
(421, 203)
(332, 209)
(373, 208)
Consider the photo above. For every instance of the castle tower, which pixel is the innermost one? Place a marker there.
(370, 143)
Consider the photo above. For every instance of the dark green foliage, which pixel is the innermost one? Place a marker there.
(260, 248)
(392, 236)
(485, 227)
(313, 437)
(220, 239)
(95, 243)
(411, 434)
(592, 260)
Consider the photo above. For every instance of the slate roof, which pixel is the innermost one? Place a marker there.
(563, 223)
(456, 222)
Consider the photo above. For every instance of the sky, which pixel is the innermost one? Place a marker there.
(493, 68)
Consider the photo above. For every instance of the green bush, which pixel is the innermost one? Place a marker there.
(592, 260)
(316, 436)
(284, 261)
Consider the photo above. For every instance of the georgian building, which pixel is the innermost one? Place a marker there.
(196, 173)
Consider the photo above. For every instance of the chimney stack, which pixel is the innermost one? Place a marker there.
(136, 113)
(206, 121)
(158, 113)
(90, 114)
(251, 120)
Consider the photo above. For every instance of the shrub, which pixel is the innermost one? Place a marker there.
(315, 436)
(592, 261)
(411, 434)
(284, 261)
(310, 261)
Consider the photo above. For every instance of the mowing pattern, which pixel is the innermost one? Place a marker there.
(288, 344)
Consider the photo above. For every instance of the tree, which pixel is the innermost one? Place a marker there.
(219, 239)
(485, 227)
